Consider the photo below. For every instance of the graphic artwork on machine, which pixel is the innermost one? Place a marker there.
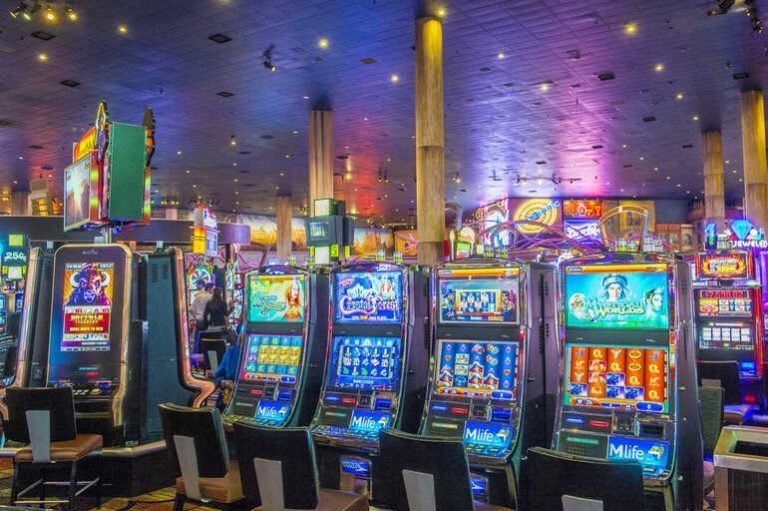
(87, 306)
(369, 297)
(276, 298)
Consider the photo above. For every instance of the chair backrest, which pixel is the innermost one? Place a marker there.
(407, 461)
(57, 401)
(711, 399)
(285, 457)
(203, 425)
(721, 373)
(557, 481)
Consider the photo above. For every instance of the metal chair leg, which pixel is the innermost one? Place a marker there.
(72, 486)
(15, 482)
(178, 502)
(43, 495)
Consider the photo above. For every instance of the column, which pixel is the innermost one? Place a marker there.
(283, 211)
(714, 183)
(320, 157)
(753, 147)
(430, 163)
(20, 203)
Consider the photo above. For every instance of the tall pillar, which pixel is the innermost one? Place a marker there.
(20, 205)
(283, 211)
(714, 181)
(430, 162)
(320, 157)
(753, 146)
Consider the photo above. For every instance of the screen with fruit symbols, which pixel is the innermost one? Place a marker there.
(365, 363)
(476, 369)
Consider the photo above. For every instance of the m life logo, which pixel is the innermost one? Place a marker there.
(267, 410)
(368, 421)
(649, 454)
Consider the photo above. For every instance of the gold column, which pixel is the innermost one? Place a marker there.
(320, 157)
(430, 140)
(283, 213)
(714, 183)
(20, 205)
(753, 146)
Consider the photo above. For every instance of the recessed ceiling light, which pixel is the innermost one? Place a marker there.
(21, 157)
(630, 28)
(287, 156)
(234, 164)
(122, 29)
(623, 146)
(658, 67)
(642, 158)
(306, 97)
(323, 43)
(295, 132)
(734, 171)
(501, 56)
(544, 86)
(695, 117)
(178, 152)
(50, 15)
(679, 96)
(394, 78)
(42, 57)
(440, 12)
(365, 118)
(225, 94)
(187, 171)
(727, 162)
(656, 169)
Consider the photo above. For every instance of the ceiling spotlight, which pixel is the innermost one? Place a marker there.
(50, 14)
(70, 12)
(457, 178)
(630, 28)
(123, 29)
(394, 78)
(501, 56)
(659, 67)
(18, 10)
(267, 58)
(232, 141)
(323, 43)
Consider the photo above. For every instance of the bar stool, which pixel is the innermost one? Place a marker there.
(279, 471)
(44, 419)
(427, 474)
(198, 449)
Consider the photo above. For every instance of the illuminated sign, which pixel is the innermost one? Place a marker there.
(355, 466)
(723, 266)
(17, 240)
(583, 208)
(487, 434)
(87, 306)
(369, 421)
(650, 454)
(582, 230)
(544, 211)
(85, 146)
(369, 297)
(272, 411)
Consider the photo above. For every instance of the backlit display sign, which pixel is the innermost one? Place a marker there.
(586, 208)
(723, 266)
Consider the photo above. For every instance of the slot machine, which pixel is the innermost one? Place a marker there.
(281, 362)
(495, 366)
(628, 388)
(728, 310)
(376, 367)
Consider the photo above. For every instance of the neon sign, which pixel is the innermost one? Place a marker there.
(545, 211)
(723, 266)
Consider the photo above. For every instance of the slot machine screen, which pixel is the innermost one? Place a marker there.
(489, 295)
(273, 358)
(616, 377)
(87, 298)
(714, 303)
(369, 297)
(364, 363)
(622, 297)
(276, 299)
(477, 369)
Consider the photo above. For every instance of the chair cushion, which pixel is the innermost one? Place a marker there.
(335, 500)
(482, 506)
(225, 489)
(66, 450)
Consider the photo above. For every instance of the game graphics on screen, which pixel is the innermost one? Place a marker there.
(473, 368)
(87, 306)
(482, 300)
(276, 299)
(365, 362)
(272, 357)
(369, 297)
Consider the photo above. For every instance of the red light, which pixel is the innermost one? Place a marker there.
(91, 374)
(459, 411)
(348, 400)
(600, 424)
(256, 392)
(750, 398)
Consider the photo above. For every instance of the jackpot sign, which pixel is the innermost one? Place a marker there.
(543, 211)
(723, 266)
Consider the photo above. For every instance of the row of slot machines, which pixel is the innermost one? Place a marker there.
(596, 359)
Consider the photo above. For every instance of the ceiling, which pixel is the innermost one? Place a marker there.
(609, 124)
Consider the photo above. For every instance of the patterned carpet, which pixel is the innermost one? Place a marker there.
(160, 500)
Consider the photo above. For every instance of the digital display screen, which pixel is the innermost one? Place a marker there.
(77, 191)
(276, 298)
(272, 358)
(479, 296)
(87, 299)
(614, 376)
(477, 368)
(617, 297)
(651, 454)
(723, 266)
(369, 421)
(463, 249)
(724, 302)
(365, 363)
(369, 297)
(724, 335)
(488, 434)
(272, 411)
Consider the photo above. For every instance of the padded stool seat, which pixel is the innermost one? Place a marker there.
(65, 450)
(335, 500)
(225, 489)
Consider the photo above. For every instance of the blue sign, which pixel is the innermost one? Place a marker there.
(355, 466)
(369, 297)
(369, 421)
(650, 454)
(487, 434)
(364, 362)
(272, 411)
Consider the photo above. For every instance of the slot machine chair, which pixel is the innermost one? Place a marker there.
(427, 473)
(198, 450)
(557, 481)
(711, 399)
(278, 470)
(44, 419)
(725, 374)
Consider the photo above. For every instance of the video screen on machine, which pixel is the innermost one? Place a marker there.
(620, 297)
(476, 369)
(272, 358)
(276, 299)
(369, 297)
(726, 336)
(87, 303)
(723, 302)
(614, 376)
(364, 363)
(479, 296)
(77, 187)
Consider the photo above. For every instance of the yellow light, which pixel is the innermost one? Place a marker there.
(50, 15)
(122, 29)
(348, 176)
(544, 87)
(630, 28)
(695, 117)
(501, 56)
(323, 43)
(659, 68)
(394, 78)
(679, 96)
(72, 14)
(440, 12)
(43, 57)
(233, 141)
